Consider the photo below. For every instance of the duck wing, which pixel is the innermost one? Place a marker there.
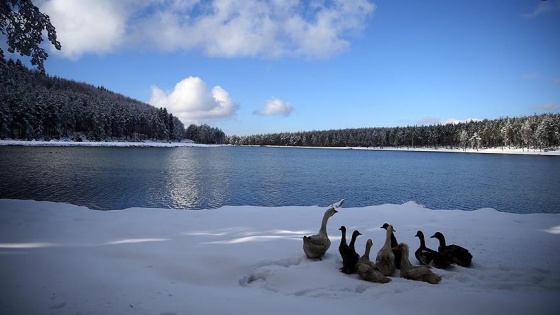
(461, 256)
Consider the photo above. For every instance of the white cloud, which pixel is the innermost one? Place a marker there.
(549, 107)
(275, 106)
(428, 121)
(456, 121)
(224, 28)
(94, 26)
(192, 102)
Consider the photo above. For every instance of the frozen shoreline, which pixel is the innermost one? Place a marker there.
(191, 144)
(65, 259)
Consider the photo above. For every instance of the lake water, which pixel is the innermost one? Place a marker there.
(210, 177)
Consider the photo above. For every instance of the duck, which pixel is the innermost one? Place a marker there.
(454, 253)
(350, 257)
(385, 259)
(394, 243)
(427, 256)
(343, 246)
(367, 270)
(315, 246)
(417, 273)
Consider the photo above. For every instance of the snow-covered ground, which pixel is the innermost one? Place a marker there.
(69, 143)
(58, 258)
(191, 144)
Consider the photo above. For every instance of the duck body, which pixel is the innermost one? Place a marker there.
(394, 244)
(367, 270)
(427, 256)
(350, 257)
(416, 273)
(315, 246)
(385, 259)
(453, 253)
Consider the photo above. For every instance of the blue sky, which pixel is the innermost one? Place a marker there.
(251, 67)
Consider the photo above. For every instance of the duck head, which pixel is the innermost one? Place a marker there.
(419, 234)
(438, 235)
(386, 225)
(343, 229)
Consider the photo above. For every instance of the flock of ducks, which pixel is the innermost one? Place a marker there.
(390, 257)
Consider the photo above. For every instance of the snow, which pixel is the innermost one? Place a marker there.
(58, 258)
(188, 143)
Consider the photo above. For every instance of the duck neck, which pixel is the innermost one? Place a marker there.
(442, 241)
(323, 229)
(422, 241)
(388, 240)
(405, 263)
(353, 240)
(366, 252)
(343, 240)
(393, 240)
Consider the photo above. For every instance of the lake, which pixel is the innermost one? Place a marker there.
(211, 177)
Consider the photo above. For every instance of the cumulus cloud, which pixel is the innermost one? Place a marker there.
(192, 102)
(224, 28)
(275, 106)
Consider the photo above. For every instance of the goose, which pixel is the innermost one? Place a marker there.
(417, 273)
(394, 244)
(350, 257)
(367, 270)
(315, 246)
(385, 259)
(454, 253)
(343, 246)
(427, 256)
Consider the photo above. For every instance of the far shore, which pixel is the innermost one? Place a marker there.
(64, 143)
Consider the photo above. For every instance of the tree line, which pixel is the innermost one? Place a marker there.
(539, 132)
(34, 105)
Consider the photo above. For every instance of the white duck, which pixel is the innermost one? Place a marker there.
(367, 270)
(385, 259)
(315, 246)
(418, 273)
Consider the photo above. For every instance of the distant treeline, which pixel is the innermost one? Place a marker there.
(37, 106)
(537, 132)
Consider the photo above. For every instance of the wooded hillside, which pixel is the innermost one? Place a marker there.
(38, 106)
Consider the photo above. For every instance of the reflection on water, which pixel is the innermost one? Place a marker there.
(201, 178)
(195, 178)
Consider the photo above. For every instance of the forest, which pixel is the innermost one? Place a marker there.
(36, 106)
(538, 132)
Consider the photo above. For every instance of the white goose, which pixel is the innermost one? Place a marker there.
(315, 246)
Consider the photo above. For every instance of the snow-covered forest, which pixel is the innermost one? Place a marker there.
(37, 106)
(533, 132)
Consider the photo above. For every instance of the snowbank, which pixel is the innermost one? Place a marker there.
(64, 143)
(64, 259)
